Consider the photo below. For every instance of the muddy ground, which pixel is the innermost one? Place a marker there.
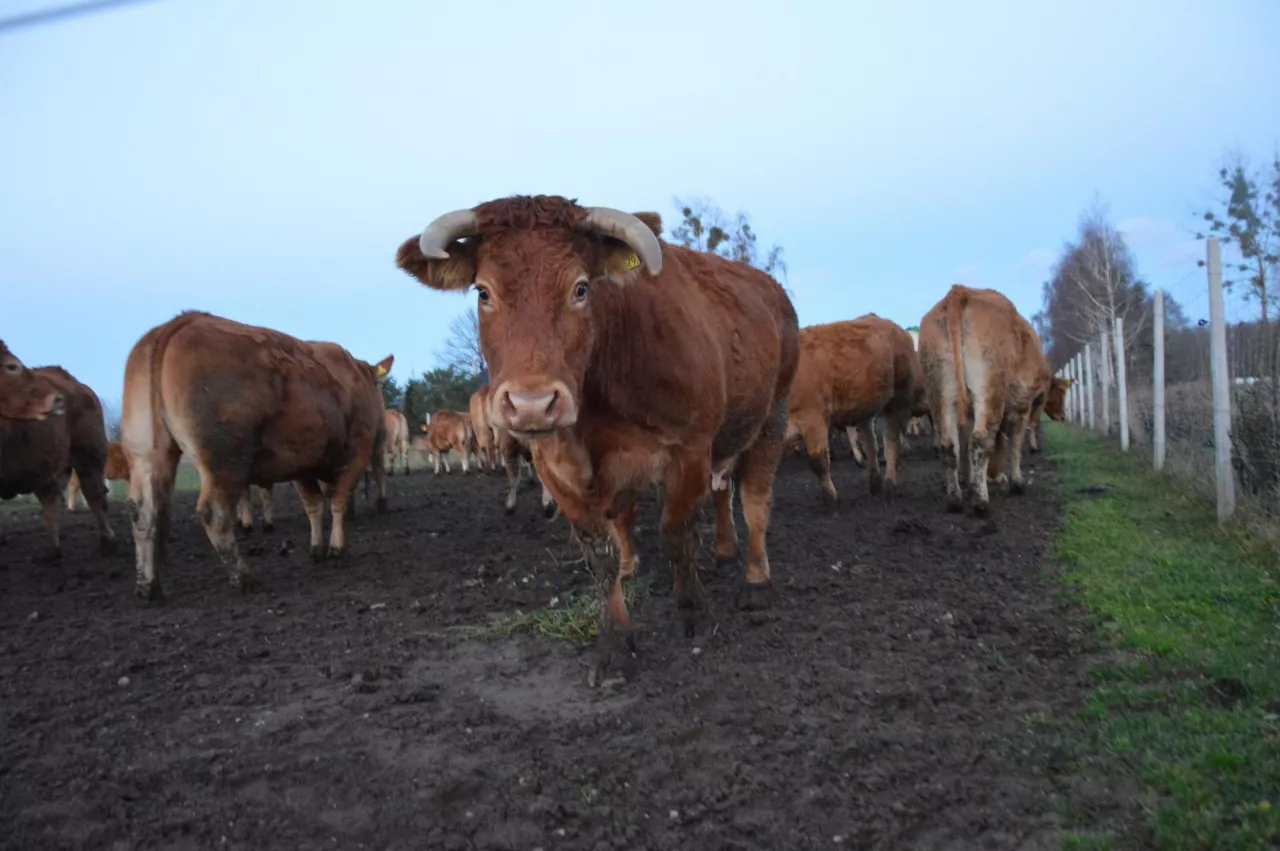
(886, 700)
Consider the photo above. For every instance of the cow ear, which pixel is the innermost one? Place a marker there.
(619, 261)
(382, 369)
(456, 273)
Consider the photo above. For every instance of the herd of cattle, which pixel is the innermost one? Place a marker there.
(617, 362)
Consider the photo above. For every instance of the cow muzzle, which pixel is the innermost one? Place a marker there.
(532, 410)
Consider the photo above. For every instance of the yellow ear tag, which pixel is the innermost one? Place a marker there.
(382, 370)
(632, 261)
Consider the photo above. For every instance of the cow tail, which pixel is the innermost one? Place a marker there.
(955, 319)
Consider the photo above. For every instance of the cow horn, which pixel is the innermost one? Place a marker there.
(630, 230)
(434, 242)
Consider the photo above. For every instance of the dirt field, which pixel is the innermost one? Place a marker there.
(885, 700)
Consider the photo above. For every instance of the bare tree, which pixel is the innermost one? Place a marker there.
(1093, 283)
(462, 350)
(705, 227)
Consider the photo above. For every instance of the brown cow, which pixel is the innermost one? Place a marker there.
(450, 429)
(851, 372)
(397, 444)
(981, 360)
(248, 405)
(486, 442)
(24, 395)
(116, 470)
(626, 362)
(38, 456)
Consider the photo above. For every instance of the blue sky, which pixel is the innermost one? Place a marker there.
(263, 160)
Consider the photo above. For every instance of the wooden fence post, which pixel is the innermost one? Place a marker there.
(1157, 381)
(1080, 387)
(1122, 398)
(1221, 385)
(1088, 383)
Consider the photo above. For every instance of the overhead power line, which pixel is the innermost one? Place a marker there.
(61, 13)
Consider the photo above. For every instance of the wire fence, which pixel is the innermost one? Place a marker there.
(1178, 427)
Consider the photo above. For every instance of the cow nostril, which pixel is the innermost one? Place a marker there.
(508, 407)
(554, 405)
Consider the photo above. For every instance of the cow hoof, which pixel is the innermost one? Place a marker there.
(877, 484)
(317, 553)
(982, 510)
(726, 565)
(954, 505)
(149, 591)
(549, 510)
(107, 546)
(50, 555)
(247, 531)
(268, 527)
(381, 505)
(753, 596)
(615, 660)
(247, 583)
(337, 553)
(1017, 486)
(890, 489)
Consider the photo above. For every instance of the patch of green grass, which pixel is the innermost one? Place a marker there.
(577, 619)
(1196, 718)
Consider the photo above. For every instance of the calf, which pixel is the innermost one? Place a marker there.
(983, 364)
(38, 456)
(851, 372)
(248, 405)
(625, 362)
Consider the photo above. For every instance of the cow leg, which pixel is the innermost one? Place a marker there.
(814, 431)
(894, 443)
(51, 504)
(995, 463)
(858, 457)
(949, 445)
(867, 434)
(685, 489)
(151, 477)
(380, 483)
(94, 488)
(73, 491)
(220, 496)
(758, 467)
(622, 529)
(1017, 484)
(981, 446)
(341, 496)
(511, 453)
(244, 512)
(464, 452)
(268, 513)
(726, 534)
(313, 499)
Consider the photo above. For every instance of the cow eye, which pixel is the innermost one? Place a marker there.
(12, 367)
(483, 294)
(580, 291)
